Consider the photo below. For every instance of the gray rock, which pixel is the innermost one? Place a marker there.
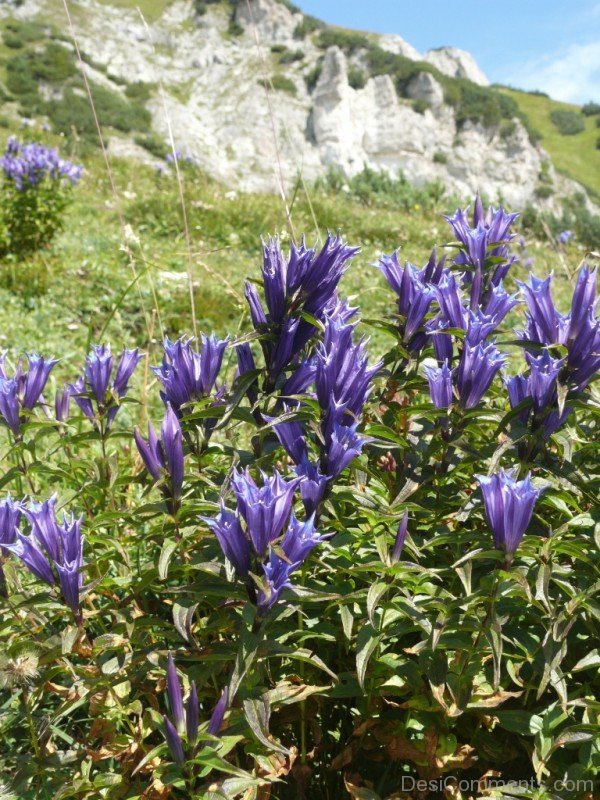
(456, 63)
(425, 87)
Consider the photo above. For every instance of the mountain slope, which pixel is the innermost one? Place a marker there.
(337, 99)
(574, 155)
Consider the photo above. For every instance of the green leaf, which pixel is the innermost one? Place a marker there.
(168, 548)
(366, 643)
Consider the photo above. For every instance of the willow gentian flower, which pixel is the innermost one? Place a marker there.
(475, 372)
(53, 552)
(29, 164)
(11, 513)
(415, 296)
(97, 387)
(164, 455)
(22, 391)
(62, 402)
(265, 509)
(440, 385)
(187, 374)
(541, 388)
(185, 716)
(276, 578)
(488, 236)
(578, 331)
(313, 485)
(304, 282)
(218, 714)
(232, 538)
(509, 506)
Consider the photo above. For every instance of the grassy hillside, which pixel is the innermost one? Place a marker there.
(575, 155)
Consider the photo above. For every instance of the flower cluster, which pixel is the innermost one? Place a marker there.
(164, 457)
(296, 289)
(53, 552)
(342, 379)
(415, 289)
(185, 718)
(29, 164)
(21, 392)
(263, 532)
(96, 392)
(484, 247)
(187, 374)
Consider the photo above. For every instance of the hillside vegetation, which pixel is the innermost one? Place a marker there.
(576, 156)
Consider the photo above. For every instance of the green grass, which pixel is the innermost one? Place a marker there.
(576, 155)
(66, 296)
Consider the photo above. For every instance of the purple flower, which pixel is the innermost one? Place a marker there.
(488, 236)
(300, 539)
(264, 509)
(578, 331)
(400, 539)
(24, 389)
(166, 453)
(175, 696)
(304, 282)
(233, 541)
(27, 165)
(509, 506)
(440, 385)
(10, 519)
(96, 385)
(475, 372)
(344, 446)
(276, 579)
(187, 374)
(216, 718)
(540, 387)
(62, 404)
(174, 741)
(291, 435)
(312, 486)
(53, 552)
(564, 237)
(415, 296)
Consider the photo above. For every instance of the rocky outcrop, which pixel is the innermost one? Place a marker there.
(396, 44)
(212, 94)
(456, 63)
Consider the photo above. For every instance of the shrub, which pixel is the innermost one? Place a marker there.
(73, 112)
(440, 158)
(420, 106)
(507, 129)
(306, 27)
(568, 123)
(311, 77)
(281, 83)
(348, 41)
(544, 191)
(290, 56)
(139, 91)
(35, 187)
(153, 144)
(371, 568)
(590, 109)
(356, 78)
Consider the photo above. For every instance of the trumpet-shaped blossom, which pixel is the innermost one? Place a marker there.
(299, 539)
(578, 331)
(313, 484)
(232, 538)
(53, 552)
(164, 455)
(265, 509)
(440, 385)
(509, 506)
(29, 164)
(97, 393)
(344, 446)
(291, 436)
(415, 296)
(62, 403)
(187, 374)
(22, 391)
(11, 513)
(475, 372)
(541, 388)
